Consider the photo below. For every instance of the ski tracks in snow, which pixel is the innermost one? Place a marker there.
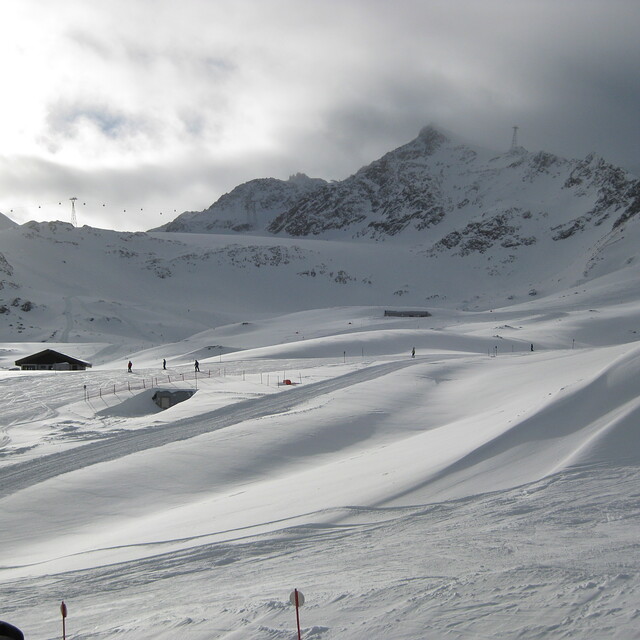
(22, 475)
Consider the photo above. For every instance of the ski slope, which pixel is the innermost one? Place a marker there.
(478, 490)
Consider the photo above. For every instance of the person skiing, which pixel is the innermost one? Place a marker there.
(164, 364)
(197, 366)
(413, 352)
(129, 365)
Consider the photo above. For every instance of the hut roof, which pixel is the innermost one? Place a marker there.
(49, 356)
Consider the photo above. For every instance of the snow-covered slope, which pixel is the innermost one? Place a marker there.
(485, 488)
(59, 283)
(6, 222)
(477, 490)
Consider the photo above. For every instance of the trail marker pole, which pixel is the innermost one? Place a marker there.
(63, 611)
(297, 598)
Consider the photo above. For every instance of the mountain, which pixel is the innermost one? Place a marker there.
(6, 222)
(250, 207)
(435, 222)
(449, 195)
(59, 283)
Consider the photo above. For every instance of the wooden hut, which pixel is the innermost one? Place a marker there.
(50, 360)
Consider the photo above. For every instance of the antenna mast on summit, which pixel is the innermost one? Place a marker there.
(74, 220)
(514, 139)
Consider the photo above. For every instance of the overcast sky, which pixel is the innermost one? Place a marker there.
(158, 106)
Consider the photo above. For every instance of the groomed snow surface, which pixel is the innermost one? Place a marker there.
(478, 490)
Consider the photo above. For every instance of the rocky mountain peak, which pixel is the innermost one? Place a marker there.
(439, 192)
(300, 178)
(432, 137)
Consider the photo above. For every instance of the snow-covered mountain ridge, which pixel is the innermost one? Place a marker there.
(63, 284)
(449, 194)
(462, 227)
(249, 206)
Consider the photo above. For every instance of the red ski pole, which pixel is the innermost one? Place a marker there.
(298, 613)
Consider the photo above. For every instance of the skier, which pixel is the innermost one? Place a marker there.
(413, 352)
(129, 366)
(164, 364)
(197, 366)
(10, 632)
(532, 347)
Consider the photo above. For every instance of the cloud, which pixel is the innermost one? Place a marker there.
(156, 102)
(128, 198)
(68, 120)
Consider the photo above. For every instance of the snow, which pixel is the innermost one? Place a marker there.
(479, 490)
(457, 494)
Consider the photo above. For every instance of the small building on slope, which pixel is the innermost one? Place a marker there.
(406, 313)
(50, 360)
(166, 398)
